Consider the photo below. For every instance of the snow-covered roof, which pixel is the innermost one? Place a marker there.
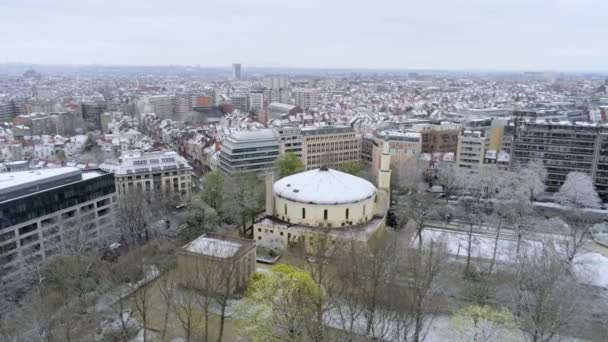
(324, 186)
(213, 247)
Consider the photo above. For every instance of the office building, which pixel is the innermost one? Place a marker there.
(250, 151)
(162, 106)
(563, 147)
(240, 101)
(306, 98)
(45, 211)
(7, 111)
(291, 140)
(164, 172)
(330, 146)
(236, 71)
(91, 113)
(472, 146)
(403, 147)
(256, 101)
(367, 149)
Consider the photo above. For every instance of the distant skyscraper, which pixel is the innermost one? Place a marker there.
(237, 70)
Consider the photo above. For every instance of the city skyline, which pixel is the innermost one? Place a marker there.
(446, 35)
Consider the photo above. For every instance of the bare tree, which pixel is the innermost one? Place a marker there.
(578, 233)
(450, 177)
(134, 217)
(244, 198)
(546, 297)
(187, 312)
(412, 175)
(418, 208)
(424, 268)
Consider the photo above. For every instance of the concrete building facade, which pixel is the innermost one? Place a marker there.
(291, 140)
(330, 146)
(250, 151)
(46, 211)
(218, 260)
(146, 172)
(306, 98)
(472, 146)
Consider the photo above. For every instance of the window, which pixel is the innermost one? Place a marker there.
(303, 213)
(285, 209)
(325, 214)
(364, 210)
(347, 213)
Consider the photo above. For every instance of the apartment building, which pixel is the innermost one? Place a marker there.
(472, 146)
(44, 211)
(158, 171)
(442, 137)
(330, 146)
(250, 151)
(306, 98)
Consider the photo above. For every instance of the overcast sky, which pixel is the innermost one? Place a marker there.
(445, 34)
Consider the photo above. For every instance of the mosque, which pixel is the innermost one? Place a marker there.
(301, 205)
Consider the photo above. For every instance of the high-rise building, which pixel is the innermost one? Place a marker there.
(250, 151)
(276, 82)
(91, 113)
(563, 147)
(240, 101)
(472, 146)
(306, 98)
(256, 101)
(278, 95)
(163, 106)
(237, 71)
(7, 111)
(45, 211)
(330, 146)
(164, 172)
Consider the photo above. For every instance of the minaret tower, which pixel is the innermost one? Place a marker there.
(384, 179)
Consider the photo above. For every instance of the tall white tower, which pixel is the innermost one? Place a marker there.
(384, 179)
(269, 193)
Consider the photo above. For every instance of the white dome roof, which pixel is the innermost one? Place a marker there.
(324, 187)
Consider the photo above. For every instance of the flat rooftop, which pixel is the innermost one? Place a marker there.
(10, 181)
(22, 183)
(217, 246)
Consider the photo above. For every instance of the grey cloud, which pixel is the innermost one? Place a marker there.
(460, 34)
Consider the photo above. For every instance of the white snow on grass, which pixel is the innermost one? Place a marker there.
(592, 268)
(482, 246)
